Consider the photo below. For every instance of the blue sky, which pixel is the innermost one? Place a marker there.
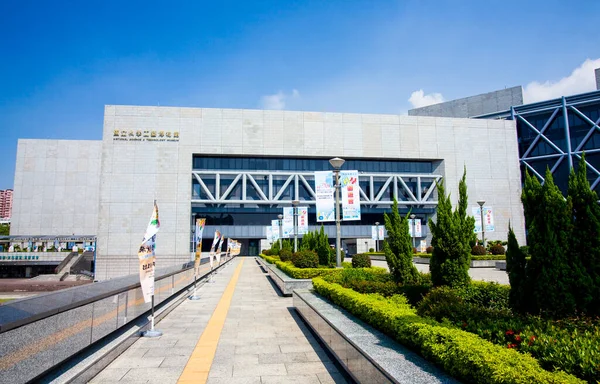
(61, 63)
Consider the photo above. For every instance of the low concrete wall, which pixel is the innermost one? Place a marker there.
(287, 284)
(474, 263)
(39, 333)
(366, 354)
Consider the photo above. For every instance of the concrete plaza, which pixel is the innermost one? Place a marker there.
(262, 340)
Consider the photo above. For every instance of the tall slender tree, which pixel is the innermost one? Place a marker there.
(398, 248)
(515, 267)
(585, 239)
(451, 236)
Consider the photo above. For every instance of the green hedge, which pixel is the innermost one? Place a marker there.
(425, 255)
(462, 354)
(473, 257)
(302, 273)
(270, 259)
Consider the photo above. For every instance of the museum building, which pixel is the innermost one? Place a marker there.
(239, 169)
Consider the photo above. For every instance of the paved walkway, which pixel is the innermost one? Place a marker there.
(262, 339)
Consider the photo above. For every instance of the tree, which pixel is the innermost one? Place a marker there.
(4, 229)
(398, 248)
(551, 276)
(451, 236)
(322, 247)
(515, 267)
(585, 239)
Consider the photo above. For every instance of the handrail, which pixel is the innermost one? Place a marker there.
(65, 261)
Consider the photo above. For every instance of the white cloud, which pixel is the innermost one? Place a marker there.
(278, 100)
(419, 99)
(581, 80)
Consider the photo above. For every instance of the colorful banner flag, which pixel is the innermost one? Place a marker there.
(350, 195)
(275, 229)
(213, 247)
(146, 256)
(219, 250)
(374, 232)
(488, 218)
(302, 220)
(269, 233)
(414, 225)
(325, 200)
(198, 236)
(236, 246)
(288, 222)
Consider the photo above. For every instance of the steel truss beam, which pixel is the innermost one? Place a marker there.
(560, 155)
(393, 184)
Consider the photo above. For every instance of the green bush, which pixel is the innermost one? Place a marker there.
(285, 255)
(372, 250)
(424, 255)
(429, 249)
(346, 264)
(462, 354)
(266, 252)
(305, 259)
(497, 249)
(397, 247)
(478, 250)
(270, 259)
(488, 257)
(302, 273)
(361, 261)
(275, 248)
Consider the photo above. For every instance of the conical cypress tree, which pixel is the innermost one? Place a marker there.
(549, 271)
(515, 267)
(398, 248)
(451, 234)
(322, 247)
(585, 253)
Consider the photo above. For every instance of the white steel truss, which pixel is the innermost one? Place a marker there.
(376, 189)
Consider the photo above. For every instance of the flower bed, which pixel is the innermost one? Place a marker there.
(462, 354)
(302, 273)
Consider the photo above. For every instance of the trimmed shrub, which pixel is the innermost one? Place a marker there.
(285, 255)
(429, 249)
(372, 250)
(488, 257)
(463, 355)
(275, 248)
(361, 260)
(266, 252)
(497, 249)
(478, 250)
(302, 273)
(305, 259)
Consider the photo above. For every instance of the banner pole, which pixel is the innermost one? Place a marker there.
(195, 295)
(152, 332)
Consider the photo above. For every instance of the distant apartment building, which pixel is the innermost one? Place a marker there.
(6, 201)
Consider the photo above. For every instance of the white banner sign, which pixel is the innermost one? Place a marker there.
(275, 229)
(302, 220)
(375, 235)
(288, 222)
(488, 218)
(269, 233)
(423, 246)
(325, 201)
(350, 195)
(414, 225)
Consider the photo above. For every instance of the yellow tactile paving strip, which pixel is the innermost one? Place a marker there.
(198, 366)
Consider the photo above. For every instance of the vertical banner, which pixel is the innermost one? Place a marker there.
(219, 250)
(414, 228)
(146, 256)
(198, 234)
(350, 195)
(375, 235)
(269, 233)
(213, 247)
(488, 218)
(325, 199)
(302, 220)
(423, 246)
(288, 222)
(275, 229)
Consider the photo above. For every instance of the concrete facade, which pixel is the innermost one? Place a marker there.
(597, 71)
(56, 187)
(474, 105)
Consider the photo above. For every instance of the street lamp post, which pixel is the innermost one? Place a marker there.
(412, 216)
(295, 205)
(481, 202)
(377, 236)
(280, 217)
(337, 163)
